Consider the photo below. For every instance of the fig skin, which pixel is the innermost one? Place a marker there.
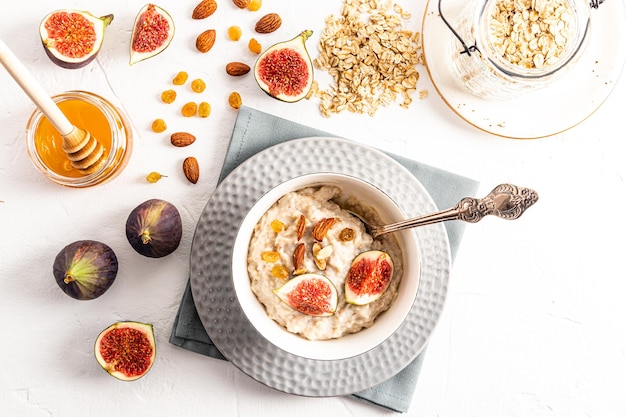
(277, 82)
(63, 59)
(85, 269)
(154, 228)
(146, 25)
(132, 353)
(310, 294)
(369, 277)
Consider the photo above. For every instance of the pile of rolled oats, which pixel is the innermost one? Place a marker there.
(371, 57)
(531, 33)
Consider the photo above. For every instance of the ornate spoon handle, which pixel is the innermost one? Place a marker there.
(506, 201)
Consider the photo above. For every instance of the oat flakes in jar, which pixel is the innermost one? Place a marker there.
(503, 48)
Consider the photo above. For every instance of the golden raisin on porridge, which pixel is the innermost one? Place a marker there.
(346, 234)
(280, 272)
(277, 226)
(270, 256)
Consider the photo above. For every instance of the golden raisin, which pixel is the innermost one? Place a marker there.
(159, 125)
(234, 33)
(189, 109)
(154, 177)
(234, 99)
(198, 85)
(280, 272)
(346, 235)
(270, 256)
(168, 96)
(254, 46)
(277, 226)
(255, 5)
(181, 78)
(204, 109)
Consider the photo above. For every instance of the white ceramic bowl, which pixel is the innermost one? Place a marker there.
(349, 345)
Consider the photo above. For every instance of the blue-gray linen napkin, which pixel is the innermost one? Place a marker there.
(255, 131)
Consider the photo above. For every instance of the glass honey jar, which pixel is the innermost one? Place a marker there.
(92, 113)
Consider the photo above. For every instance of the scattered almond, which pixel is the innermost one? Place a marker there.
(242, 4)
(268, 23)
(300, 226)
(205, 40)
(191, 169)
(237, 68)
(322, 227)
(298, 256)
(204, 9)
(181, 139)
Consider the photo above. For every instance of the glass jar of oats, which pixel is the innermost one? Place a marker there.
(516, 46)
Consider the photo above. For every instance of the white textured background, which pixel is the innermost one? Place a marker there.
(534, 323)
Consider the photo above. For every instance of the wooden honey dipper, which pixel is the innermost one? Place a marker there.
(83, 150)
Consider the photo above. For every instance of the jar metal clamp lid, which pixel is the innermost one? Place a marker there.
(594, 4)
(516, 46)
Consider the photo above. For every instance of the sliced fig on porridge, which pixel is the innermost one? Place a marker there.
(369, 277)
(311, 294)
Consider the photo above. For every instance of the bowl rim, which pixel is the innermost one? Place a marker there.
(350, 345)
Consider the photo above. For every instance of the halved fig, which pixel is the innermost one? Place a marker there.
(284, 70)
(154, 228)
(152, 33)
(126, 349)
(311, 294)
(85, 269)
(369, 277)
(73, 38)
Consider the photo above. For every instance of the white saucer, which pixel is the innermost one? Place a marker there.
(549, 111)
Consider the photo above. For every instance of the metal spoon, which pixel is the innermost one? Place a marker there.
(506, 201)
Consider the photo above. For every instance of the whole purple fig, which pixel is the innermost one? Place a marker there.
(154, 228)
(85, 269)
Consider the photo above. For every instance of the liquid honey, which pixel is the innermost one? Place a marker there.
(49, 143)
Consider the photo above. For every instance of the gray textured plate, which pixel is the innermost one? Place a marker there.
(212, 284)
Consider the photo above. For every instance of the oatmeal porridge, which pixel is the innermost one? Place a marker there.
(291, 222)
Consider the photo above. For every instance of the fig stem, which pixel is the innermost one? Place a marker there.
(145, 237)
(107, 19)
(69, 277)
